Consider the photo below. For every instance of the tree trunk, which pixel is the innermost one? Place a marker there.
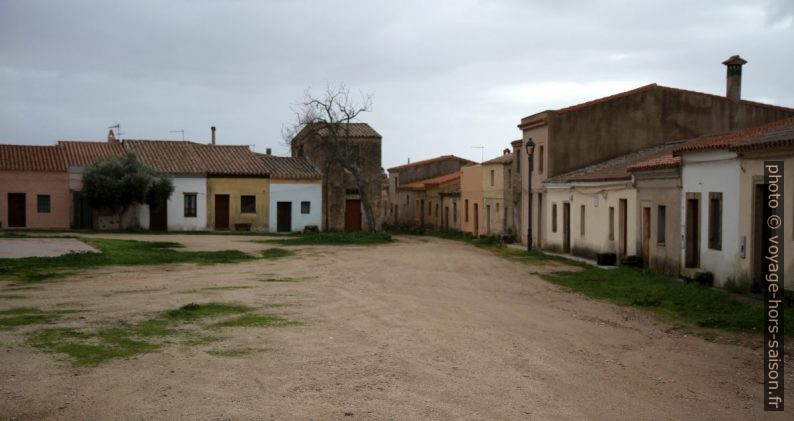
(364, 194)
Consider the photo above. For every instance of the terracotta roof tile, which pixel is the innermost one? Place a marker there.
(83, 153)
(357, 130)
(168, 156)
(504, 159)
(230, 160)
(736, 137)
(659, 162)
(607, 98)
(32, 158)
(289, 167)
(422, 184)
(430, 161)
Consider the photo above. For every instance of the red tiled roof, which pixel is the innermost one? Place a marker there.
(659, 162)
(607, 98)
(774, 139)
(289, 167)
(357, 131)
(616, 169)
(32, 158)
(504, 159)
(83, 153)
(168, 156)
(729, 139)
(230, 160)
(430, 161)
(422, 184)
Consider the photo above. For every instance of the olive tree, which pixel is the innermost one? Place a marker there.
(117, 183)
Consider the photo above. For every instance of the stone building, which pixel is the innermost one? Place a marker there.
(342, 197)
(404, 203)
(586, 134)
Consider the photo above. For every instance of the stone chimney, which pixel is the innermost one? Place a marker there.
(213, 134)
(112, 137)
(734, 82)
(268, 151)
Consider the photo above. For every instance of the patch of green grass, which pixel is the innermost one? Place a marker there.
(87, 349)
(277, 253)
(195, 311)
(254, 320)
(11, 297)
(19, 310)
(334, 238)
(26, 319)
(692, 303)
(239, 352)
(113, 252)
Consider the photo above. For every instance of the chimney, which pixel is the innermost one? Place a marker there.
(268, 151)
(734, 82)
(506, 151)
(213, 134)
(112, 137)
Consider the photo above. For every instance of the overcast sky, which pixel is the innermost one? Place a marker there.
(445, 75)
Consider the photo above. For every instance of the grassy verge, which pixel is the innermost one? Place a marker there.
(112, 252)
(276, 253)
(333, 238)
(86, 347)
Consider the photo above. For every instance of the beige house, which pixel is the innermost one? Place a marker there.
(497, 185)
(471, 198)
(435, 201)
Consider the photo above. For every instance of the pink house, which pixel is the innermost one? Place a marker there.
(34, 187)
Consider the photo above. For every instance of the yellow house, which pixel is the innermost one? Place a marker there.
(497, 177)
(238, 188)
(471, 200)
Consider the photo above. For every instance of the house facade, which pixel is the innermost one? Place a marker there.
(471, 194)
(295, 193)
(34, 187)
(497, 187)
(586, 134)
(434, 201)
(341, 194)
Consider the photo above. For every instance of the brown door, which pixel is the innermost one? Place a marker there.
(692, 233)
(760, 231)
(622, 227)
(566, 227)
(16, 210)
(476, 221)
(646, 235)
(221, 211)
(284, 216)
(158, 218)
(446, 218)
(353, 215)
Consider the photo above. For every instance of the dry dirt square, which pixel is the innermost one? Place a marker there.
(422, 328)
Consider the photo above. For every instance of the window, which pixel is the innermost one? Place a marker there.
(611, 222)
(248, 204)
(306, 207)
(436, 209)
(454, 211)
(429, 209)
(581, 221)
(466, 204)
(715, 221)
(43, 203)
(492, 177)
(540, 159)
(406, 200)
(661, 223)
(554, 217)
(497, 207)
(190, 205)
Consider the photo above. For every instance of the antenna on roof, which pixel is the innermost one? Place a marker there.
(117, 126)
(179, 131)
(482, 152)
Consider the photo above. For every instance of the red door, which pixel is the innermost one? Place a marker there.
(16, 210)
(221, 211)
(353, 215)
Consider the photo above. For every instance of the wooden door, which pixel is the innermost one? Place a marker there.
(692, 259)
(352, 215)
(158, 217)
(566, 227)
(622, 227)
(16, 210)
(646, 235)
(476, 221)
(221, 211)
(284, 216)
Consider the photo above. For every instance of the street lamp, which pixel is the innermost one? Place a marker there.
(530, 150)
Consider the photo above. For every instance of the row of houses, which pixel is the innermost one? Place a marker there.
(670, 175)
(216, 187)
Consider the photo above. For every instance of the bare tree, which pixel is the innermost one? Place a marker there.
(329, 118)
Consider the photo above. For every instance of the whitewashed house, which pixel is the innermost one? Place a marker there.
(186, 209)
(295, 193)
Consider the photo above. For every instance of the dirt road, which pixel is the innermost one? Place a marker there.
(419, 329)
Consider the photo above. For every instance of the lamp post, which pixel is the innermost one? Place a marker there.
(530, 146)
